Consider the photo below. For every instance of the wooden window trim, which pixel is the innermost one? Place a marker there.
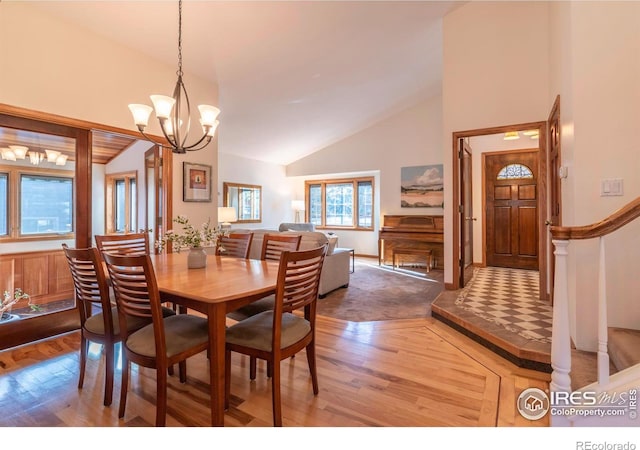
(14, 174)
(110, 200)
(323, 184)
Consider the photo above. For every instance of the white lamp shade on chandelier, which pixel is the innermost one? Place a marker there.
(19, 150)
(169, 111)
(7, 154)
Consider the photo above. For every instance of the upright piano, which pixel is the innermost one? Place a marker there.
(416, 232)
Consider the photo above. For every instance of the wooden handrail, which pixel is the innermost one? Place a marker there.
(618, 219)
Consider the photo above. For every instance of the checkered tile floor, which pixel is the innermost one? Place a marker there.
(509, 297)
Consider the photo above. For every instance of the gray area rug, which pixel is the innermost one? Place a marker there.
(379, 293)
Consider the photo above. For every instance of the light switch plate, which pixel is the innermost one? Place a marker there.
(611, 187)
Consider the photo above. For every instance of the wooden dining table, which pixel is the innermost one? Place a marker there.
(224, 285)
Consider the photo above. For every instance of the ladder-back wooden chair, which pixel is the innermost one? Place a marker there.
(278, 334)
(272, 247)
(131, 244)
(274, 244)
(98, 315)
(237, 245)
(162, 343)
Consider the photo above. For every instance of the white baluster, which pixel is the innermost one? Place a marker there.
(603, 354)
(560, 339)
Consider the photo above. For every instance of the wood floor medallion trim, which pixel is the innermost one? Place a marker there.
(399, 373)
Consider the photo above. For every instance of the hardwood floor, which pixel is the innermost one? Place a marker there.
(402, 373)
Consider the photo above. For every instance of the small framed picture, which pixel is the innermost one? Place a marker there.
(196, 182)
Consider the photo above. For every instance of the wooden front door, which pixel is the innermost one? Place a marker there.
(511, 182)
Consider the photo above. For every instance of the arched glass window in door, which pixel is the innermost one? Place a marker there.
(514, 171)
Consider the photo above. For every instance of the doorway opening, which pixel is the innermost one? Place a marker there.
(463, 188)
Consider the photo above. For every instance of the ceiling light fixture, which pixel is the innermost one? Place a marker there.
(7, 154)
(61, 160)
(530, 132)
(19, 150)
(36, 157)
(168, 111)
(52, 155)
(511, 135)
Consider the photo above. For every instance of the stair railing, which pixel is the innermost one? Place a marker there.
(561, 340)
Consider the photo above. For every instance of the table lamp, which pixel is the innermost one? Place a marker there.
(226, 215)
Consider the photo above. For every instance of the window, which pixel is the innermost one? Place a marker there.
(36, 203)
(46, 204)
(121, 202)
(514, 171)
(344, 203)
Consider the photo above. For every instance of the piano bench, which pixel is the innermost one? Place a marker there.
(428, 254)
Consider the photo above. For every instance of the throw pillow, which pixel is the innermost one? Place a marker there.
(333, 241)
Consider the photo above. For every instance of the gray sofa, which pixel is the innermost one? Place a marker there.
(336, 267)
(291, 226)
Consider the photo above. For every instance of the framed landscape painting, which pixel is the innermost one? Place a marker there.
(196, 183)
(422, 186)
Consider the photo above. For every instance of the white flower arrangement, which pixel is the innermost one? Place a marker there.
(190, 237)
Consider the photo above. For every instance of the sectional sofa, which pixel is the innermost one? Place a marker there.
(336, 268)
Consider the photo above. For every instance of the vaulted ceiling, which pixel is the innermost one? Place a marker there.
(293, 76)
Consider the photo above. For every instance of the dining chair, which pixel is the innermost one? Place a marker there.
(98, 314)
(280, 333)
(236, 245)
(92, 293)
(130, 244)
(272, 247)
(162, 343)
(124, 244)
(274, 244)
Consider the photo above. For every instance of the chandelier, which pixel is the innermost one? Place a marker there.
(168, 111)
(16, 152)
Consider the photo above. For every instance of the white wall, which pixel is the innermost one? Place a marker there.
(132, 159)
(60, 69)
(588, 53)
(412, 137)
(277, 189)
(561, 83)
(98, 199)
(597, 77)
(496, 72)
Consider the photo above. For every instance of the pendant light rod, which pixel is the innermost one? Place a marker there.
(168, 110)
